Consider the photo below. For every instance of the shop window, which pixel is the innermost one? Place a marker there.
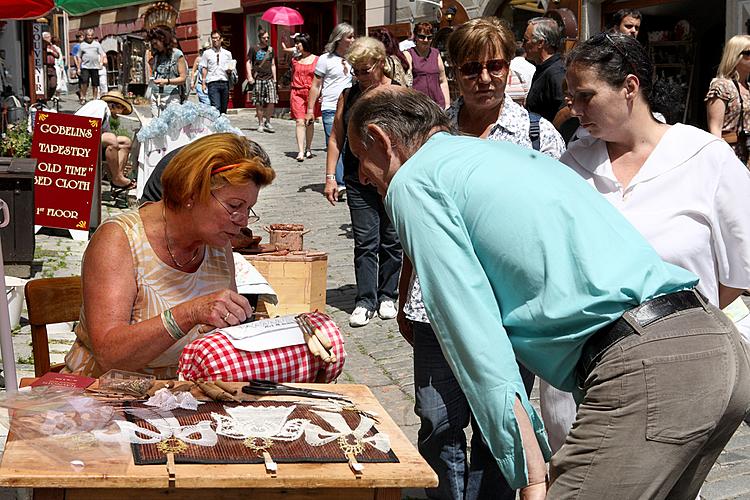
(113, 68)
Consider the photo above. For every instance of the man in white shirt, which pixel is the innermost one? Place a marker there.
(215, 66)
(89, 60)
(116, 147)
(103, 85)
(521, 74)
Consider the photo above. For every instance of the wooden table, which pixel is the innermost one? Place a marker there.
(24, 467)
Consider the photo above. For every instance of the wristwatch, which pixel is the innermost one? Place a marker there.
(330, 177)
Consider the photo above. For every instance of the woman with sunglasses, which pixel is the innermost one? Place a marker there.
(689, 196)
(728, 98)
(426, 66)
(377, 251)
(156, 277)
(481, 50)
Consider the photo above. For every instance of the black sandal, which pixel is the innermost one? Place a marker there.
(116, 190)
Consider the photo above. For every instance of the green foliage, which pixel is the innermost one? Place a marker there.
(16, 142)
(117, 129)
(122, 131)
(28, 360)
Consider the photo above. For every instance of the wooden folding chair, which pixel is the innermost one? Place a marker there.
(50, 300)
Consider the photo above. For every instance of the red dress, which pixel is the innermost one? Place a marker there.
(301, 82)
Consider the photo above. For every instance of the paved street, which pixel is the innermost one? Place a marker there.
(377, 355)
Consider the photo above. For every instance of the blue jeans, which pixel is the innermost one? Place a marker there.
(202, 98)
(377, 251)
(218, 94)
(327, 116)
(444, 413)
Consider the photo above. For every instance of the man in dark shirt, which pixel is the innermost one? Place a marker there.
(542, 41)
(627, 22)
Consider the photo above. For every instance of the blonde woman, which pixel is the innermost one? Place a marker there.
(377, 251)
(728, 98)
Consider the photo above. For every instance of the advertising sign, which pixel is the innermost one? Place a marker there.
(40, 80)
(66, 148)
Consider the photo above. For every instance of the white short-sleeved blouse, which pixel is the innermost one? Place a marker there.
(691, 201)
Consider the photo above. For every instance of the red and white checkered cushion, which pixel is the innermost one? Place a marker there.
(213, 357)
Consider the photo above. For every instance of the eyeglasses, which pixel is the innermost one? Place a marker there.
(605, 36)
(495, 67)
(424, 37)
(745, 53)
(363, 72)
(239, 218)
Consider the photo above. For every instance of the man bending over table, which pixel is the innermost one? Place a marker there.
(519, 258)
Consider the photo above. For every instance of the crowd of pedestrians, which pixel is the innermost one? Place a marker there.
(553, 225)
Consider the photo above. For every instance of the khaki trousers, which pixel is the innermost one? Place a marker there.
(658, 409)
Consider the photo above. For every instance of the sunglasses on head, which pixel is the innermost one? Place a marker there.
(745, 53)
(424, 37)
(495, 67)
(605, 37)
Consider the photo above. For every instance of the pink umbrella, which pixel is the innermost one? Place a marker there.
(283, 15)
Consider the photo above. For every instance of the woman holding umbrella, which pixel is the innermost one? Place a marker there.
(261, 66)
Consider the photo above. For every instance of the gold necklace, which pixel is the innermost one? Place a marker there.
(169, 248)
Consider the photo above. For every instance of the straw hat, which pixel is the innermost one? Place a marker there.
(116, 96)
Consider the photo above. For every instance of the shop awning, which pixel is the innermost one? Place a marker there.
(31, 9)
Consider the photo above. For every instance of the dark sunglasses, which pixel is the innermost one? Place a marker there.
(745, 53)
(362, 72)
(424, 37)
(495, 67)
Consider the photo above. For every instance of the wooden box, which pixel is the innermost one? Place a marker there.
(299, 279)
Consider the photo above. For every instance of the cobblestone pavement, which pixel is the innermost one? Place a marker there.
(377, 355)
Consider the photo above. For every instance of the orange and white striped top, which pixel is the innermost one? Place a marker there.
(160, 287)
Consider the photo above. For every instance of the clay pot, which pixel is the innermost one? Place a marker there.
(287, 236)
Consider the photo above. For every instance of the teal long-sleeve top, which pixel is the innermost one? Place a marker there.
(518, 258)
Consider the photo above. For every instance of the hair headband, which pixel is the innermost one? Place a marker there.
(224, 168)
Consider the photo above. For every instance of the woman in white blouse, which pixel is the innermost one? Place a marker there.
(681, 187)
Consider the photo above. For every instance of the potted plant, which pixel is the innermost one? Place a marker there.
(16, 142)
(17, 188)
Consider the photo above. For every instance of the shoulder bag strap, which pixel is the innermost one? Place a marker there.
(740, 121)
(534, 130)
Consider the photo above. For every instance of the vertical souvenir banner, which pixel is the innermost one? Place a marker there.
(66, 148)
(40, 77)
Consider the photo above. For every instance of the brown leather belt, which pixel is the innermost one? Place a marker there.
(645, 314)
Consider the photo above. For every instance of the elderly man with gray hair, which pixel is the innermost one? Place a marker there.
(542, 41)
(519, 258)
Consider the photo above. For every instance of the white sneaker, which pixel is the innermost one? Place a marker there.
(360, 317)
(387, 310)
